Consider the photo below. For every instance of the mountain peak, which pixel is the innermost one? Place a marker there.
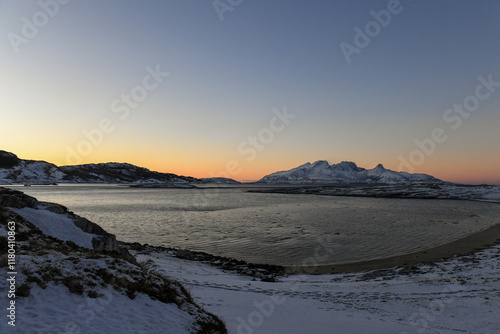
(8, 160)
(347, 164)
(321, 172)
(6, 154)
(321, 162)
(15, 170)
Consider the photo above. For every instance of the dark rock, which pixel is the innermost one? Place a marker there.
(271, 279)
(8, 160)
(266, 272)
(16, 199)
(104, 242)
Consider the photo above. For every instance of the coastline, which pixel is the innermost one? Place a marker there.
(468, 245)
(464, 246)
(237, 293)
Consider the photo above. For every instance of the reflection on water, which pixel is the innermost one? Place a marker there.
(272, 228)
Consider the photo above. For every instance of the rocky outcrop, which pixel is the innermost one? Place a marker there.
(264, 272)
(70, 278)
(102, 242)
(16, 199)
(8, 160)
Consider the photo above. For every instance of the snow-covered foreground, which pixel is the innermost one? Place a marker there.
(54, 310)
(55, 278)
(461, 295)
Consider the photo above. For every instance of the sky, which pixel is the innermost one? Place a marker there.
(242, 88)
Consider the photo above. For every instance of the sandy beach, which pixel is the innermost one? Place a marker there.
(463, 246)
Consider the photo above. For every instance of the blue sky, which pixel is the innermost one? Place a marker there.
(226, 78)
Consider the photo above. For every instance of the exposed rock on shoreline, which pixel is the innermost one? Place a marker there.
(102, 241)
(264, 272)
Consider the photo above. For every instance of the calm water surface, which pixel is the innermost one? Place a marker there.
(272, 228)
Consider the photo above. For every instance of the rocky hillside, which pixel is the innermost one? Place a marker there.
(69, 275)
(321, 172)
(218, 180)
(14, 170)
(112, 172)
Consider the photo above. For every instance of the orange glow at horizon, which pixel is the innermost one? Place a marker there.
(464, 170)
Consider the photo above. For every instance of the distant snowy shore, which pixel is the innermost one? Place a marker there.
(444, 190)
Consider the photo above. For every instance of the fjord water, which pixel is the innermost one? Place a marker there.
(279, 229)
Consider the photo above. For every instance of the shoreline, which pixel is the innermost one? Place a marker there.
(461, 247)
(264, 272)
(464, 246)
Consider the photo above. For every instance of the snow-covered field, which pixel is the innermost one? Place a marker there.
(54, 310)
(461, 295)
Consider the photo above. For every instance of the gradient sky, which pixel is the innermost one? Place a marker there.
(227, 79)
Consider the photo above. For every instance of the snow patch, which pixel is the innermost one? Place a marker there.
(56, 225)
(65, 312)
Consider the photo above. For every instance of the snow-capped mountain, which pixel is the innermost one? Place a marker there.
(321, 172)
(15, 170)
(113, 172)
